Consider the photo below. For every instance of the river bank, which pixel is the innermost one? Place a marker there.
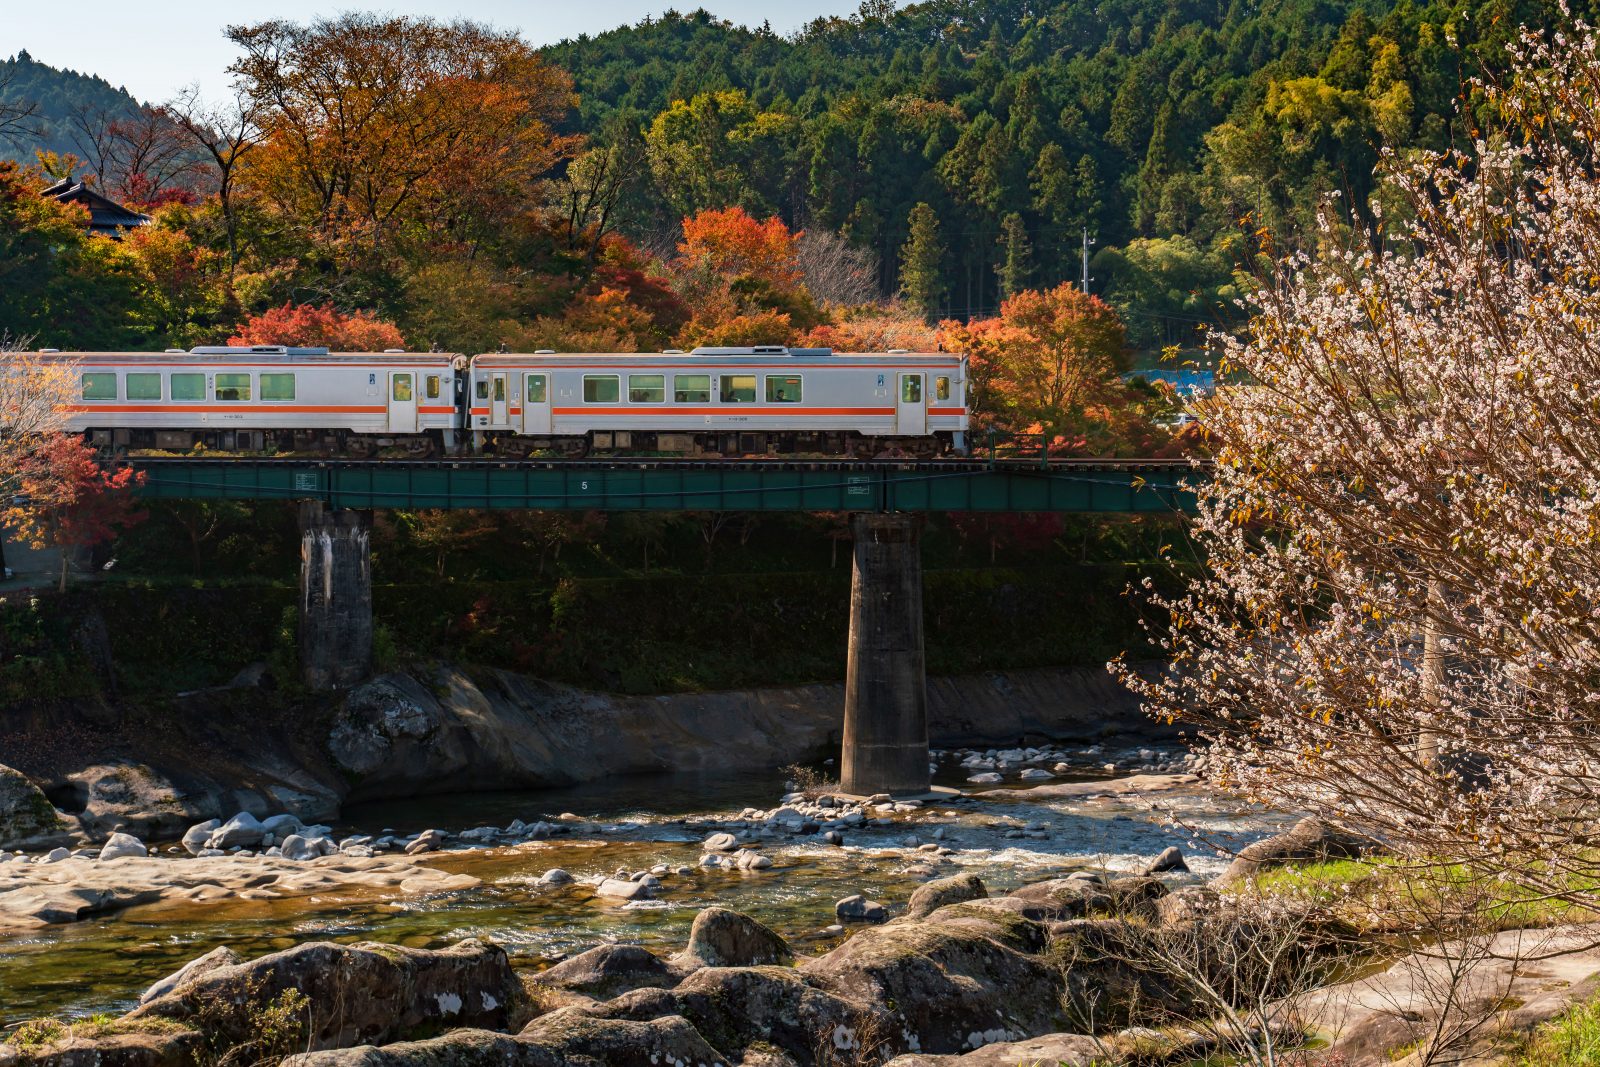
(444, 729)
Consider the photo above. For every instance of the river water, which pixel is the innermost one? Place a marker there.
(102, 965)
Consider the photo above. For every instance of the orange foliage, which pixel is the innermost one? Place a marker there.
(755, 328)
(729, 243)
(874, 329)
(1047, 365)
(594, 322)
(310, 325)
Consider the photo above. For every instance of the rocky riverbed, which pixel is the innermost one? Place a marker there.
(118, 924)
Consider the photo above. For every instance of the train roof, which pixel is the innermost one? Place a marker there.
(762, 354)
(267, 354)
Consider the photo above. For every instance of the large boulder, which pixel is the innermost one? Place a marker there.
(357, 994)
(740, 1008)
(608, 970)
(382, 722)
(1311, 840)
(961, 978)
(723, 938)
(933, 895)
(129, 796)
(26, 814)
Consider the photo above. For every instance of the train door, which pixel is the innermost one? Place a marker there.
(536, 405)
(912, 417)
(402, 402)
(497, 400)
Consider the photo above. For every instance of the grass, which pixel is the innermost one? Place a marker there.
(38, 1033)
(1378, 895)
(1569, 1040)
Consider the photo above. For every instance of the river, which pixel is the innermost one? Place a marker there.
(102, 965)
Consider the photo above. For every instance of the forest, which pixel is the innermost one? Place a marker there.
(897, 178)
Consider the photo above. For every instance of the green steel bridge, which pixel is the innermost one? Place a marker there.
(983, 485)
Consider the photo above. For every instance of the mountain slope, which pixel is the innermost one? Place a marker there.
(57, 95)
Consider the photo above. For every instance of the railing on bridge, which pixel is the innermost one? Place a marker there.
(995, 485)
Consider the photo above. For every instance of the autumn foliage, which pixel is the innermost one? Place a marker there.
(309, 325)
(64, 498)
(1047, 364)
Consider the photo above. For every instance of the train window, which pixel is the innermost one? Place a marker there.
(277, 387)
(144, 386)
(783, 389)
(402, 387)
(910, 388)
(738, 388)
(188, 387)
(483, 389)
(647, 388)
(941, 388)
(233, 387)
(100, 385)
(500, 388)
(536, 389)
(433, 387)
(601, 388)
(691, 388)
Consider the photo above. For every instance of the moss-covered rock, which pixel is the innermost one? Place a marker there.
(353, 994)
(936, 894)
(26, 814)
(723, 938)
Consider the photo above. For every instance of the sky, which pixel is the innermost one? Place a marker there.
(154, 49)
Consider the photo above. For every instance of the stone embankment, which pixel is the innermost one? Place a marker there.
(442, 730)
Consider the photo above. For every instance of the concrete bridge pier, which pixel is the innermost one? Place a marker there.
(335, 595)
(886, 696)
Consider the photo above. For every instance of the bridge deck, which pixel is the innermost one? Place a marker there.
(1107, 486)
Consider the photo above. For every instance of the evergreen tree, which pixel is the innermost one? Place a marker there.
(1013, 269)
(920, 258)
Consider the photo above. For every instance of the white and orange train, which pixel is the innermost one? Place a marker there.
(711, 401)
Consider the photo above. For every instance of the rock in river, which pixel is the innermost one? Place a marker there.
(859, 909)
(931, 896)
(621, 889)
(120, 845)
(723, 938)
(194, 840)
(242, 831)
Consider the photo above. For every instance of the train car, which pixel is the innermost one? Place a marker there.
(720, 401)
(268, 398)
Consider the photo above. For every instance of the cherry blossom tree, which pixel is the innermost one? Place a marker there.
(1401, 624)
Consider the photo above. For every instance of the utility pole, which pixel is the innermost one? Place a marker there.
(1086, 243)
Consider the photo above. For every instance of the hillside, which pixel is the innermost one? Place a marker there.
(57, 94)
(1158, 125)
